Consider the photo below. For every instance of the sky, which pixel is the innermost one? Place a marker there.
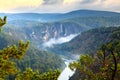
(57, 6)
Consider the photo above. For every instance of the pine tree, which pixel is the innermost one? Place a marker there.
(7, 66)
(29, 74)
(2, 22)
(104, 66)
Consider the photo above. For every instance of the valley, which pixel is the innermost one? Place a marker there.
(56, 36)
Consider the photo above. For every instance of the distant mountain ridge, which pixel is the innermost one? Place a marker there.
(30, 26)
(48, 17)
(91, 13)
(42, 27)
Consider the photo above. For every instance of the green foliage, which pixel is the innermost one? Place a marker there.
(83, 66)
(94, 22)
(34, 57)
(90, 41)
(2, 22)
(84, 59)
(28, 74)
(103, 66)
(40, 60)
(12, 53)
(7, 66)
(51, 75)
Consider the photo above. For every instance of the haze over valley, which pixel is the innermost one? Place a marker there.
(79, 39)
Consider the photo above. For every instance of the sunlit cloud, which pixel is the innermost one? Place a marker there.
(7, 5)
(57, 6)
(51, 2)
(70, 1)
(111, 3)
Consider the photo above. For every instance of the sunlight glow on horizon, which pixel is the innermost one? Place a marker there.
(57, 6)
(69, 1)
(12, 4)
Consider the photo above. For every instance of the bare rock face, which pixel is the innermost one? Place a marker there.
(59, 30)
(38, 32)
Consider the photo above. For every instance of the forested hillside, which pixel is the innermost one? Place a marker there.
(16, 65)
(105, 63)
(34, 58)
(32, 26)
(38, 32)
(88, 41)
(93, 28)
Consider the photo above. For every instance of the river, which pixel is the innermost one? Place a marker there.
(67, 72)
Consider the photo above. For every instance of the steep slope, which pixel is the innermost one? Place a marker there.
(26, 26)
(34, 58)
(95, 22)
(111, 40)
(38, 32)
(88, 41)
(34, 30)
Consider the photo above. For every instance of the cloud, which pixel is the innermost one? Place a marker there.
(50, 2)
(70, 1)
(87, 1)
(57, 6)
(8, 5)
(61, 6)
(60, 40)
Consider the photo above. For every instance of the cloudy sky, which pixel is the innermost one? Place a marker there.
(57, 6)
